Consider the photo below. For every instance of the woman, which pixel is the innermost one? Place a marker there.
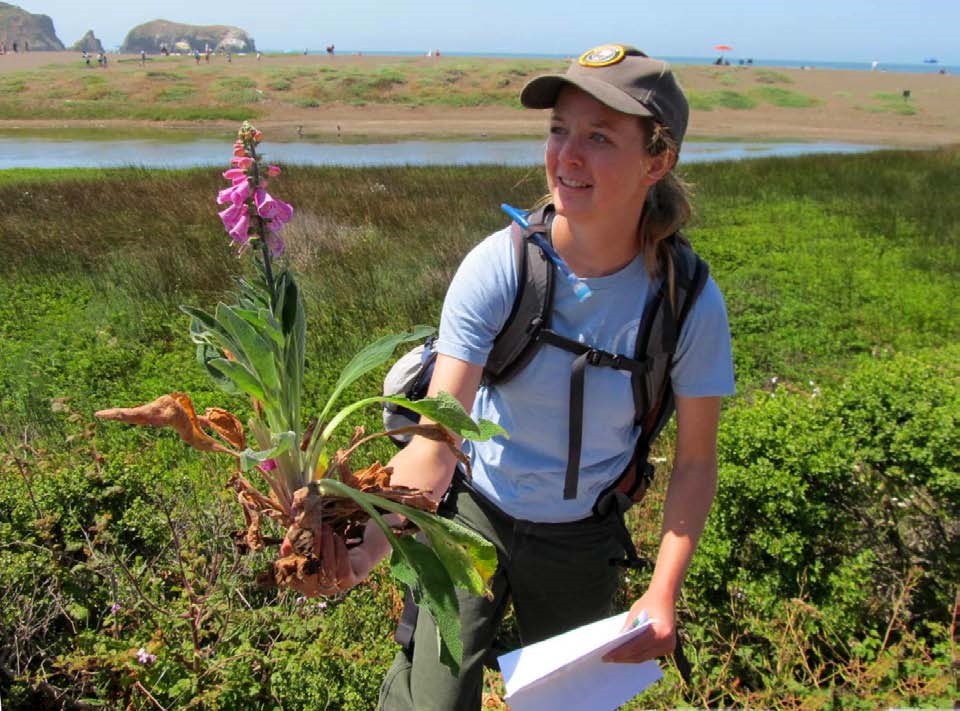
(618, 118)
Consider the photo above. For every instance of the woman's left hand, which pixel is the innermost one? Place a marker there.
(658, 640)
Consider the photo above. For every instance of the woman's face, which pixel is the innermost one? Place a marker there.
(596, 159)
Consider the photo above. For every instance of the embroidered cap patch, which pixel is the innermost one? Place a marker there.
(603, 56)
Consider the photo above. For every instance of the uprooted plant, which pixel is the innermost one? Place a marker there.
(255, 347)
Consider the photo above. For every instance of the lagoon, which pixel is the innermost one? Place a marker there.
(157, 153)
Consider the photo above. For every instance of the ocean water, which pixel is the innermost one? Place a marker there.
(918, 67)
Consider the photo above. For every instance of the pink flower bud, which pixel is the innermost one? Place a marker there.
(257, 136)
(235, 174)
(242, 161)
(273, 171)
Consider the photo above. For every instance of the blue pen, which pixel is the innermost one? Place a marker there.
(580, 289)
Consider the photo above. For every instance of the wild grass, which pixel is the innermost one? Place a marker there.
(889, 102)
(816, 584)
(214, 92)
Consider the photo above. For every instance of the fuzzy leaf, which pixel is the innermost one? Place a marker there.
(259, 354)
(458, 558)
(447, 410)
(374, 355)
(244, 380)
(417, 566)
(282, 443)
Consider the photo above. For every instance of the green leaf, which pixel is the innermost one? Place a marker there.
(243, 379)
(263, 321)
(204, 328)
(207, 353)
(293, 323)
(468, 557)
(282, 443)
(460, 558)
(447, 410)
(257, 350)
(374, 355)
(417, 566)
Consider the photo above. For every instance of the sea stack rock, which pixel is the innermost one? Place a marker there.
(176, 37)
(30, 32)
(87, 43)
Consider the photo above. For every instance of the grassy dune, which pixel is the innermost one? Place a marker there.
(297, 90)
(828, 573)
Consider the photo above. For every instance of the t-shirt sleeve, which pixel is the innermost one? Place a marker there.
(703, 365)
(479, 300)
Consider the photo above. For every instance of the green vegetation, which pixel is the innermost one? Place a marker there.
(784, 97)
(828, 573)
(768, 76)
(726, 99)
(889, 102)
(225, 91)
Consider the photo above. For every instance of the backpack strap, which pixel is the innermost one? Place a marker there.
(517, 342)
(662, 323)
(585, 355)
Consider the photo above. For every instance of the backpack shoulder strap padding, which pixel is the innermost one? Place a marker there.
(662, 322)
(516, 344)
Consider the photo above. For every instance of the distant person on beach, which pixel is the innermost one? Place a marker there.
(143, 58)
(545, 496)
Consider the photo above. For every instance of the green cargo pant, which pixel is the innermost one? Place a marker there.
(558, 576)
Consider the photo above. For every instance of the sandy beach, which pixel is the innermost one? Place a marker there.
(847, 111)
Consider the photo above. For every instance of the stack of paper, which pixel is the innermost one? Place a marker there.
(566, 672)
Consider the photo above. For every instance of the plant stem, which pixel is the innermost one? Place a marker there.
(261, 229)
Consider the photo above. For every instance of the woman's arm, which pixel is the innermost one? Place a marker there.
(423, 464)
(690, 494)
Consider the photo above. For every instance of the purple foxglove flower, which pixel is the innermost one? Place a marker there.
(275, 243)
(269, 208)
(235, 174)
(243, 162)
(241, 229)
(231, 215)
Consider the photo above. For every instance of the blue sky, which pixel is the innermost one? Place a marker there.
(825, 30)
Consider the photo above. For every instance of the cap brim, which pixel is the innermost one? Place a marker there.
(542, 92)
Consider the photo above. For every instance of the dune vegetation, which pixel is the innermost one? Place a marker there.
(829, 575)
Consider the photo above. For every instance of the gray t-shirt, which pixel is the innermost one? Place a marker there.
(524, 475)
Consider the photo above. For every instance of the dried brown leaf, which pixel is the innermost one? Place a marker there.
(174, 411)
(225, 424)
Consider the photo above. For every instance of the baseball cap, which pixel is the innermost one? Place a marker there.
(623, 78)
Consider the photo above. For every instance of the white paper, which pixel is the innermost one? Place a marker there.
(566, 672)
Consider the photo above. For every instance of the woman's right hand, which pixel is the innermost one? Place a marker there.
(339, 568)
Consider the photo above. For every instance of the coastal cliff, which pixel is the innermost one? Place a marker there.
(29, 32)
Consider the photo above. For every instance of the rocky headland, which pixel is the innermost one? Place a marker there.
(88, 43)
(27, 31)
(152, 37)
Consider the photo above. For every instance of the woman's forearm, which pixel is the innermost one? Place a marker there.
(689, 497)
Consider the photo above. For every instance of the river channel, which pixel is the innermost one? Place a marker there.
(148, 153)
